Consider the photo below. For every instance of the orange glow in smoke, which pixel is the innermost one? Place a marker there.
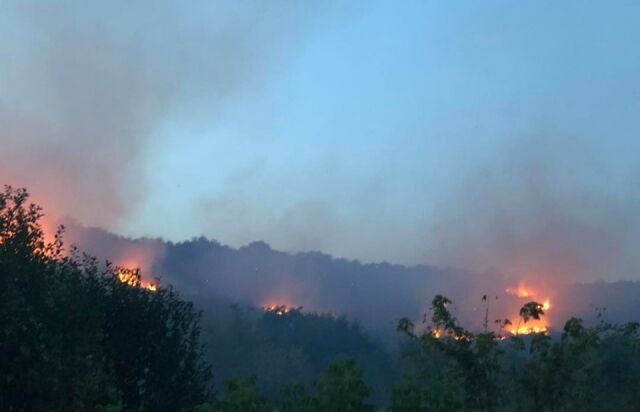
(521, 291)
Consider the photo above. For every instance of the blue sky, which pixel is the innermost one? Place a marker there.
(344, 127)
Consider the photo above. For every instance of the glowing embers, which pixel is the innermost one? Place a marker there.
(438, 334)
(279, 310)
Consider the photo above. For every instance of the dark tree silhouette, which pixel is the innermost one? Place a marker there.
(73, 337)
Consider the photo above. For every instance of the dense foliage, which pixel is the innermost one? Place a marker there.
(286, 346)
(75, 337)
(339, 389)
(449, 368)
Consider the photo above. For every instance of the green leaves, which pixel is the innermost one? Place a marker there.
(341, 388)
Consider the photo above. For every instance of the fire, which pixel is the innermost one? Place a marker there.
(521, 291)
(525, 330)
(277, 309)
(130, 278)
(526, 294)
(437, 333)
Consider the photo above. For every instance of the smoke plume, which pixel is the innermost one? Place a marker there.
(86, 88)
(544, 209)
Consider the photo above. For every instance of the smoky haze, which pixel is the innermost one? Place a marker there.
(86, 94)
(376, 295)
(87, 89)
(542, 208)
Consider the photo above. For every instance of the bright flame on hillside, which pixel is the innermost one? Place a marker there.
(128, 278)
(279, 310)
(527, 294)
(131, 279)
(526, 329)
(140, 261)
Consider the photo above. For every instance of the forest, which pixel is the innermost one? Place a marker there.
(78, 334)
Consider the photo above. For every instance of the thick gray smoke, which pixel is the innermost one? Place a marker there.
(545, 209)
(86, 88)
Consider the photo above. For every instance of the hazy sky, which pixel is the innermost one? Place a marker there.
(402, 131)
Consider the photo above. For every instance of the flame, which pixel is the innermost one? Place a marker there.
(129, 278)
(277, 309)
(521, 291)
(437, 333)
(525, 330)
(526, 293)
(134, 257)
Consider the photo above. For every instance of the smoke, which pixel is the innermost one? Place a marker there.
(86, 88)
(376, 295)
(544, 209)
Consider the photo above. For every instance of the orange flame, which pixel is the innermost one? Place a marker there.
(277, 309)
(532, 325)
(129, 278)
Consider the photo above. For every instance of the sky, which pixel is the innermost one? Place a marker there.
(473, 134)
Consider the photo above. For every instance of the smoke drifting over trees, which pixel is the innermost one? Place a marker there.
(78, 335)
(376, 295)
(543, 208)
(426, 206)
(90, 92)
(90, 89)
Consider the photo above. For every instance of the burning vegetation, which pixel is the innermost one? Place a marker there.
(132, 277)
(533, 307)
(64, 327)
(528, 316)
(449, 367)
(279, 310)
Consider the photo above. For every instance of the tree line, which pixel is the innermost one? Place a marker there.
(75, 337)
